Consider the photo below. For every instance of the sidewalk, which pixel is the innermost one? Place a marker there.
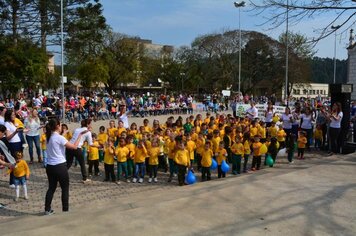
(312, 197)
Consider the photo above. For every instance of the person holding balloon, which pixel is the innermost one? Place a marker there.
(220, 157)
(206, 161)
(182, 161)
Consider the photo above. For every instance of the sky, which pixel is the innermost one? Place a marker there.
(179, 22)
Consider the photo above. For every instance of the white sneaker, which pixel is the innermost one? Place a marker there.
(86, 181)
(118, 182)
(149, 180)
(128, 181)
(134, 180)
(12, 186)
(140, 180)
(174, 175)
(155, 180)
(26, 197)
(291, 162)
(25, 145)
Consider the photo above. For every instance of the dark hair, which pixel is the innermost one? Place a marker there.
(7, 115)
(2, 128)
(66, 126)
(102, 128)
(51, 126)
(85, 122)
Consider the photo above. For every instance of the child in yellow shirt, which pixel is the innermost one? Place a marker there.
(93, 157)
(220, 157)
(21, 173)
(247, 151)
(190, 146)
(182, 161)
(206, 161)
(43, 141)
(140, 157)
(109, 160)
(171, 153)
(318, 137)
(130, 159)
(102, 139)
(301, 141)
(237, 150)
(281, 137)
(122, 153)
(153, 152)
(256, 159)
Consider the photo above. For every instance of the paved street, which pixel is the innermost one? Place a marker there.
(316, 196)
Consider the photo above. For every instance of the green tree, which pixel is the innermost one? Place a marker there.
(22, 64)
(86, 33)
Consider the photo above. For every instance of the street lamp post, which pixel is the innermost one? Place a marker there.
(287, 52)
(239, 5)
(335, 28)
(62, 63)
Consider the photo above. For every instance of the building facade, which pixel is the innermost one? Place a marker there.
(309, 90)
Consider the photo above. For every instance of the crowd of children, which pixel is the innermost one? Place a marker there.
(176, 147)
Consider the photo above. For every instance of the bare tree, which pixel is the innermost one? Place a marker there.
(340, 13)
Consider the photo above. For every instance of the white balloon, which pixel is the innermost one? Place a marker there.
(282, 152)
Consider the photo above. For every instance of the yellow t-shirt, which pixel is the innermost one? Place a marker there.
(256, 148)
(200, 145)
(191, 147)
(140, 154)
(318, 134)
(18, 123)
(253, 131)
(281, 135)
(216, 141)
(182, 157)
(221, 155)
(121, 153)
(109, 157)
(43, 141)
(68, 135)
(153, 153)
(261, 132)
(103, 138)
(171, 149)
(120, 130)
(238, 149)
(302, 141)
(131, 147)
(247, 147)
(112, 132)
(272, 131)
(21, 169)
(206, 158)
(94, 151)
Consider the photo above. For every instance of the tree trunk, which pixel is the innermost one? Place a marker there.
(14, 19)
(44, 22)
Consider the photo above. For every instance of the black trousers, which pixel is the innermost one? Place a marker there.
(77, 153)
(95, 164)
(55, 174)
(109, 172)
(181, 174)
(205, 173)
(334, 139)
(256, 162)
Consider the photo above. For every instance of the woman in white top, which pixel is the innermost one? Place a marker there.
(307, 125)
(335, 118)
(269, 114)
(287, 120)
(56, 168)
(33, 127)
(13, 137)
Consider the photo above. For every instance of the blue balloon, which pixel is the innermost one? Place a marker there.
(225, 167)
(190, 178)
(214, 164)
